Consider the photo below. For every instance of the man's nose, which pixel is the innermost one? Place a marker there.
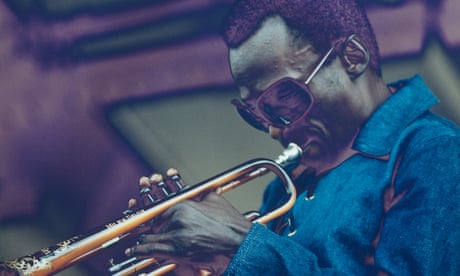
(274, 132)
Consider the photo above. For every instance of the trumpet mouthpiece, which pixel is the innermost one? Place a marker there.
(290, 156)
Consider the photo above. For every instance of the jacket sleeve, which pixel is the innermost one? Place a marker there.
(266, 253)
(420, 230)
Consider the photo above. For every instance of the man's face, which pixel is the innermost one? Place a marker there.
(332, 119)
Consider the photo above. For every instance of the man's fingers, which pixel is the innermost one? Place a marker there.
(155, 238)
(144, 181)
(155, 178)
(132, 203)
(154, 244)
(175, 180)
(150, 249)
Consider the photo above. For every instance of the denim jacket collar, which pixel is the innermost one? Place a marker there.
(380, 132)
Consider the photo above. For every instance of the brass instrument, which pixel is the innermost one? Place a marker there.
(69, 252)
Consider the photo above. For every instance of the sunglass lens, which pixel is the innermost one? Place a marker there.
(285, 102)
(248, 117)
(251, 120)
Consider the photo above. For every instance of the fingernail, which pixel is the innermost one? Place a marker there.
(171, 172)
(144, 182)
(128, 251)
(156, 178)
(132, 202)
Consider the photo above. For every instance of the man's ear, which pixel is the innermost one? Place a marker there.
(355, 55)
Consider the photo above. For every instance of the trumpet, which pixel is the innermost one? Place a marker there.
(66, 253)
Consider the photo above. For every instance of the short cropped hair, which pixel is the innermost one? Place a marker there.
(320, 22)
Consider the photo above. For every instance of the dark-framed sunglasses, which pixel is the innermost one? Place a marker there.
(282, 103)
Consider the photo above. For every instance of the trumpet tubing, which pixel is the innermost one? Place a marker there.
(71, 251)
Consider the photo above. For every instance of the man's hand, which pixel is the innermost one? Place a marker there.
(191, 228)
(194, 229)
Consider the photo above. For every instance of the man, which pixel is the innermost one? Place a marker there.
(378, 182)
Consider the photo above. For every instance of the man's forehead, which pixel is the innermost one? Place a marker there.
(261, 51)
(263, 44)
(268, 55)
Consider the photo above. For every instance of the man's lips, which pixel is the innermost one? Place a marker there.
(304, 135)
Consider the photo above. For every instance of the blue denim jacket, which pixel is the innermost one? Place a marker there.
(394, 207)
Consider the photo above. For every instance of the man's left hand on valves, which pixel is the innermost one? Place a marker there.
(193, 229)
